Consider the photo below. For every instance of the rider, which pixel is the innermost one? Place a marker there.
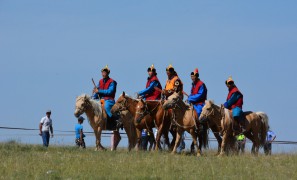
(198, 92)
(234, 102)
(106, 90)
(153, 86)
(173, 83)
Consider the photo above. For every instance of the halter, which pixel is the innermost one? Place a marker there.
(146, 111)
(210, 113)
(123, 106)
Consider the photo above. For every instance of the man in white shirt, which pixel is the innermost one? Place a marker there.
(45, 126)
(268, 144)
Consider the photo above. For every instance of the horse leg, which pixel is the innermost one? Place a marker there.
(138, 132)
(173, 133)
(98, 139)
(117, 139)
(224, 144)
(218, 137)
(177, 141)
(251, 137)
(194, 137)
(256, 141)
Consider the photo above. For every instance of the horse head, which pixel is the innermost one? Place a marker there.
(121, 104)
(141, 111)
(172, 101)
(81, 104)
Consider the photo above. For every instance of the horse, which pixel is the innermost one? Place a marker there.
(127, 103)
(256, 126)
(184, 117)
(162, 118)
(97, 118)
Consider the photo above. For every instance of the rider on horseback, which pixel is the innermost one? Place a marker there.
(106, 90)
(153, 86)
(173, 83)
(234, 102)
(198, 92)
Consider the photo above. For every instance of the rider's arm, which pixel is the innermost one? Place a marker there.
(150, 89)
(235, 96)
(196, 97)
(111, 89)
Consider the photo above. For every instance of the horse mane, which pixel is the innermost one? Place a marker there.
(96, 105)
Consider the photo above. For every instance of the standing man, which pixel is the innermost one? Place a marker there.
(240, 143)
(45, 126)
(153, 86)
(234, 102)
(144, 139)
(106, 90)
(268, 144)
(173, 83)
(79, 134)
(198, 94)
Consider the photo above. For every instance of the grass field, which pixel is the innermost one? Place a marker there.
(19, 161)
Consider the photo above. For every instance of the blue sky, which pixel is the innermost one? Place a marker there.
(50, 50)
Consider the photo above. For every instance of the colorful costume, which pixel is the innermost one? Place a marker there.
(198, 94)
(234, 100)
(106, 90)
(173, 83)
(153, 87)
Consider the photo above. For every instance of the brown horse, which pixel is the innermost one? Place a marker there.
(256, 125)
(127, 103)
(97, 119)
(161, 117)
(184, 117)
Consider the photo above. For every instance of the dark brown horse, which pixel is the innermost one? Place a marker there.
(127, 103)
(161, 117)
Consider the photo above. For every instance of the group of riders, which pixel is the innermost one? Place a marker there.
(106, 90)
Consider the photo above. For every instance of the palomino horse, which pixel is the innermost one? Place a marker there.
(256, 125)
(97, 119)
(127, 103)
(184, 117)
(162, 118)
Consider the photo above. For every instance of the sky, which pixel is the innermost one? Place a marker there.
(50, 50)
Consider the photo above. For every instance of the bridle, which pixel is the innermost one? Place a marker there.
(84, 105)
(211, 113)
(146, 111)
(123, 106)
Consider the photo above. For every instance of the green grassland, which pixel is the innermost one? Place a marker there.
(19, 161)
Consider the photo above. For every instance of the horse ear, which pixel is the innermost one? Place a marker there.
(141, 100)
(124, 94)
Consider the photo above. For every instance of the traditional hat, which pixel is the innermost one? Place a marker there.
(152, 68)
(170, 68)
(80, 118)
(195, 72)
(229, 80)
(106, 69)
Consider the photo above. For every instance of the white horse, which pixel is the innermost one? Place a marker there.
(97, 118)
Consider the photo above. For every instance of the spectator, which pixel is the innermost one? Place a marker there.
(79, 134)
(144, 139)
(45, 126)
(241, 139)
(268, 144)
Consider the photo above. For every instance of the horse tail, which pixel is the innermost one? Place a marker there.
(204, 135)
(264, 127)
